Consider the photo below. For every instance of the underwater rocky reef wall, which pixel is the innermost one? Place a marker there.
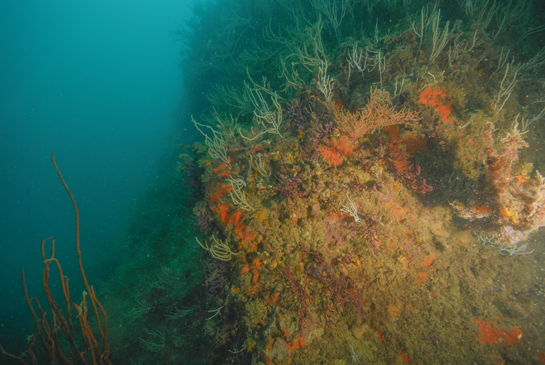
(369, 185)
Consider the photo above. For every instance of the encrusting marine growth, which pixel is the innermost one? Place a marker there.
(362, 221)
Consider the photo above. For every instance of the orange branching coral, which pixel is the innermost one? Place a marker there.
(378, 113)
(430, 96)
(62, 328)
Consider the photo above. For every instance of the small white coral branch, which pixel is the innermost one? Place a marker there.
(504, 248)
(238, 196)
(352, 210)
(218, 250)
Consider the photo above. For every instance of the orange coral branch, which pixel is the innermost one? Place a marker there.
(88, 334)
(49, 332)
(377, 114)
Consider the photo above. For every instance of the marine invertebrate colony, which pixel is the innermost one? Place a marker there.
(356, 231)
(351, 206)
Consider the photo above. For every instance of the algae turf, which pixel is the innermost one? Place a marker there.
(346, 254)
